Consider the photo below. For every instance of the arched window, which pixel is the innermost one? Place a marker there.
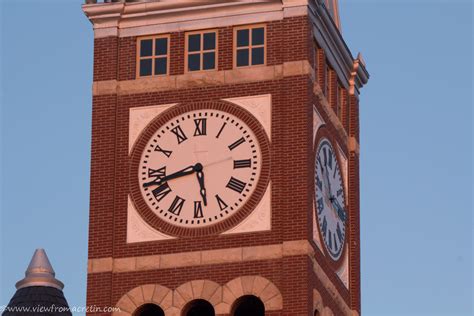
(248, 305)
(149, 310)
(199, 308)
(317, 313)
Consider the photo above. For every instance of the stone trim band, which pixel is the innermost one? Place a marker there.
(198, 258)
(200, 79)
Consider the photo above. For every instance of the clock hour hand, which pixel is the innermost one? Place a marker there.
(202, 188)
(184, 172)
(340, 211)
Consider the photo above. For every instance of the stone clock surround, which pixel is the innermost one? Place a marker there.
(152, 219)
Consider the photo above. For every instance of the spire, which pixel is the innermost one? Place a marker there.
(40, 273)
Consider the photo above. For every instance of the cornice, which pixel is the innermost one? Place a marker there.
(132, 14)
(351, 72)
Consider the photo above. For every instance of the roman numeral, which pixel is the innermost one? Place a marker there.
(222, 204)
(330, 239)
(236, 185)
(176, 206)
(237, 143)
(339, 233)
(325, 154)
(161, 192)
(220, 131)
(335, 241)
(324, 228)
(320, 203)
(330, 158)
(157, 174)
(247, 163)
(319, 183)
(335, 170)
(165, 152)
(198, 209)
(179, 134)
(339, 192)
(201, 125)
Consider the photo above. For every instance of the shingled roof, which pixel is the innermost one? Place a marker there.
(39, 293)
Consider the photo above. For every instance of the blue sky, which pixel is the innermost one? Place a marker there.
(416, 145)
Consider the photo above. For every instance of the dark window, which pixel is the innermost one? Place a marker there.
(149, 310)
(153, 56)
(243, 38)
(243, 57)
(199, 308)
(258, 36)
(194, 43)
(161, 46)
(317, 313)
(146, 48)
(201, 52)
(258, 56)
(250, 46)
(248, 305)
(145, 67)
(160, 66)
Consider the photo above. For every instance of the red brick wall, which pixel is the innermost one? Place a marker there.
(105, 58)
(291, 161)
(354, 205)
(109, 50)
(102, 176)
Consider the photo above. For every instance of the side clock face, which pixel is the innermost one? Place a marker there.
(199, 168)
(329, 199)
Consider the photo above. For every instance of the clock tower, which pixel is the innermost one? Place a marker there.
(225, 159)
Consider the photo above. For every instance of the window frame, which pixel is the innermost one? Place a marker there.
(202, 51)
(153, 56)
(250, 46)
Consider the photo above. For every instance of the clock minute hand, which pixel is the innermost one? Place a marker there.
(184, 172)
(340, 211)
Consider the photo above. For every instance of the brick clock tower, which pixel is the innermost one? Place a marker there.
(225, 159)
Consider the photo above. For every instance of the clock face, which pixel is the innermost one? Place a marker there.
(329, 200)
(199, 168)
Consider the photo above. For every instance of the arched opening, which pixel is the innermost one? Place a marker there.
(199, 308)
(248, 305)
(317, 313)
(149, 310)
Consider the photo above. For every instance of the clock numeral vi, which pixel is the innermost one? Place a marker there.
(179, 134)
(176, 206)
(165, 152)
(236, 185)
(198, 209)
(222, 204)
(201, 127)
(247, 163)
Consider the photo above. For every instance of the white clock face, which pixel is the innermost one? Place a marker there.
(199, 168)
(329, 199)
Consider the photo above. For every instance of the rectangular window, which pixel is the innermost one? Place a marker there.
(250, 42)
(153, 56)
(201, 51)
